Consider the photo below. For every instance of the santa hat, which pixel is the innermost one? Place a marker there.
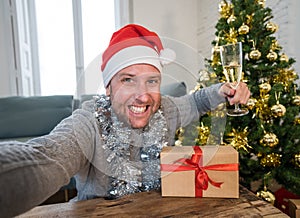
(133, 44)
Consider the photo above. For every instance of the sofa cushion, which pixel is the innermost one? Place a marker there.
(176, 89)
(32, 116)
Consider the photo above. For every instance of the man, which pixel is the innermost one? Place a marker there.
(112, 145)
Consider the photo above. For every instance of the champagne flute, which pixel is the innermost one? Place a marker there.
(232, 61)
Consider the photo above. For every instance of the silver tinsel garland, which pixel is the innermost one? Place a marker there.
(133, 154)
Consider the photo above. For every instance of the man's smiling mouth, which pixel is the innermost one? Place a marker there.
(137, 109)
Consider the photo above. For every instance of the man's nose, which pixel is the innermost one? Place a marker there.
(141, 88)
(142, 92)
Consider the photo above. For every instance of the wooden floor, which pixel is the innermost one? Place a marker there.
(152, 204)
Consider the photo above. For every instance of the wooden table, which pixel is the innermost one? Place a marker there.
(151, 204)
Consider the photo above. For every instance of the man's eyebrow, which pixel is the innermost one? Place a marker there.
(126, 74)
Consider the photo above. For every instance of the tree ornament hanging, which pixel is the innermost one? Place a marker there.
(215, 57)
(271, 160)
(231, 37)
(249, 19)
(203, 134)
(204, 76)
(296, 100)
(297, 160)
(261, 3)
(278, 110)
(275, 45)
(264, 88)
(231, 19)
(225, 9)
(297, 121)
(216, 49)
(272, 56)
(239, 139)
(271, 27)
(284, 58)
(266, 194)
(285, 77)
(255, 54)
(251, 103)
(244, 29)
(269, 140)
(179, 136)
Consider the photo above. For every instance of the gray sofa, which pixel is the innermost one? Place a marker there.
(23, 118)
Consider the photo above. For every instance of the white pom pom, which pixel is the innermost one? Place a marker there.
(167, 56)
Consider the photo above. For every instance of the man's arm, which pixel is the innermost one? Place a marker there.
(210, 97)
(31, 172)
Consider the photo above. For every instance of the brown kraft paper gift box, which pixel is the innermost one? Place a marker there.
(294, 208)
(216, 175)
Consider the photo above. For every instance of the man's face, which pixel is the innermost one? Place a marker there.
(135, 94)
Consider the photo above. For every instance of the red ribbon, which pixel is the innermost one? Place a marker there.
(201, 177)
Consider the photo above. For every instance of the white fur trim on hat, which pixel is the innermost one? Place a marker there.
(127, 57)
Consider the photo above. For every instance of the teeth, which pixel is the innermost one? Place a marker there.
(136, 109)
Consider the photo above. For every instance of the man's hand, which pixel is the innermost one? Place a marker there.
(240, 95)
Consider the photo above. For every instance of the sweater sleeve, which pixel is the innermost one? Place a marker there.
(208, 98)
(31, 172)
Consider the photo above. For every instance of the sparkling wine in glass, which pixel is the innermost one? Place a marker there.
(232, 61)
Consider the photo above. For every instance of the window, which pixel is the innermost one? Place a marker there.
(88, 22)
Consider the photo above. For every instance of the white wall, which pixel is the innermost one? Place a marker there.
(176, 22)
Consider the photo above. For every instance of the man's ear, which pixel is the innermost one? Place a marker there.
(108, 90)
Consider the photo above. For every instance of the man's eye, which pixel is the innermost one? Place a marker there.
(153, 81)
(126, 80)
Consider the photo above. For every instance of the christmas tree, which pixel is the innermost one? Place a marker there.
(268, 137)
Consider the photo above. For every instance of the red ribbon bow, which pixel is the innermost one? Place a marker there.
(202, 179)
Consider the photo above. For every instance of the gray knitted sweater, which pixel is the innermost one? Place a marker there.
(31, 172)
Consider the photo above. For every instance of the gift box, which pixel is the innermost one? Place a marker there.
(294, 208)
(199, 171)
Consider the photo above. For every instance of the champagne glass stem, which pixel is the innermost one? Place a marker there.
(236, 107)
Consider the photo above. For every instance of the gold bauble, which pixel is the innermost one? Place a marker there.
(261, 2)
(297, 160)
(255, 55)
(297, 121)
(244, 29)
(222, 5)
(272, 56)
(271, 27)
(271, 160)
(204, 76)
(278, 110)
(266, 195)
(296, 100)
(264, 88)
(284, 58)
(231, 19)
(269, 139)
(251, 103)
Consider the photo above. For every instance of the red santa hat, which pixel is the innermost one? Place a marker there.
(133, 44)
